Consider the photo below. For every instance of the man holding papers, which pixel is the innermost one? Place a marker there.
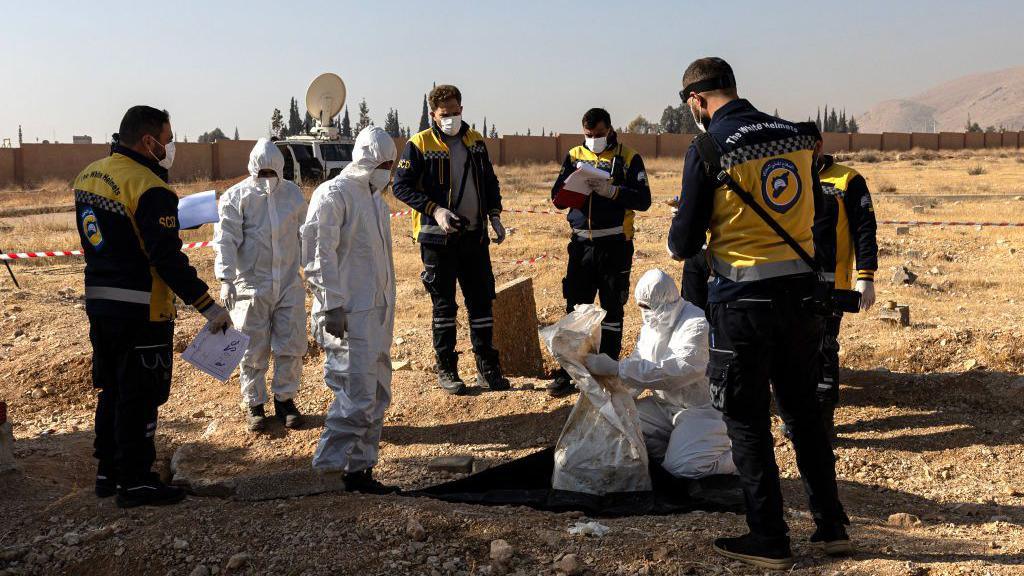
(601, 216)
(127, 218)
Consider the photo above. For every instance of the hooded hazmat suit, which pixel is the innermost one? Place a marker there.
(257, 250)
(346, 252)
(681, 427)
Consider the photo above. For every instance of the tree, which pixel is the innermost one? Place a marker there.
(294, 119)
(346, 125)
(276, 124)
(391, 125)
(528, 132)
(641, 125)
(852, 126)
(212, 136)
(971, 126)
(307, 123)
(818, 121)
(494, 131)
(842, 127)
(678, 120)
(364, 117)
(485, 127)
(236, 133)
(776, 114)
(833, 121)
(19, 135)
(425, 115)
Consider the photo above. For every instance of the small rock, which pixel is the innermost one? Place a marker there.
(917, 209)
(970, 364)
(199, 414)
(397, 365)
(568, 565)
(415, 531)
(238, 560)
(200, 570)
(180, 544)
(462, 464)
(19, 332)
(899, 316)
(903, 276)
(501, 551)
(902, 230)
(399, 340)
(903, 520)
(72, 539)
(661, 554)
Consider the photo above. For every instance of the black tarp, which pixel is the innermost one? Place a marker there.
(527, 482)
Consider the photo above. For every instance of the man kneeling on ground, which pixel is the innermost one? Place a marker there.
(681, 428)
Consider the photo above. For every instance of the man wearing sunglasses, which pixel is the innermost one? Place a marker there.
(764, 335)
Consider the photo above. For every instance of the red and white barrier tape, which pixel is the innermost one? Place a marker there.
(52, 253)
(917, 223)
(533, 260)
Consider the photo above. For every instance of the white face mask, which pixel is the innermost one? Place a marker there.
(168, 159)
(268, 185)
(379, 179)
(698, 120)
(451, 125)
(597, 145)
(648, 315)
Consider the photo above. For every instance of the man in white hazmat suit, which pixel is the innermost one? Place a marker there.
(257, 262)
(346, 252)
(681, 428)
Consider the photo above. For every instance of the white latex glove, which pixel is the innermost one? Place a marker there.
(218, 317)
(335, 322)
(867, 293)
(602, 187)
(228, 294)
(602, 365)
(499, 229)
(447, 220)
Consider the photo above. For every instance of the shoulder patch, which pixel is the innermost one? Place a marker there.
(404, 164)
(91, 227)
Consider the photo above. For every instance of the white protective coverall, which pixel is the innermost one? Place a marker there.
(257, 249)
(346, 252)
(681, 428)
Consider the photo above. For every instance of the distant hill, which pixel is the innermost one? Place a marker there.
(991, 99)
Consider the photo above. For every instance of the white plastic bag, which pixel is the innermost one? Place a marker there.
(601, 449)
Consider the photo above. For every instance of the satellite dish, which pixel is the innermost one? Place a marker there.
(325, 97)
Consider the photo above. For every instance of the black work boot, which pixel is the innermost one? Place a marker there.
(256, 418)
(834, 539)
(755, 551)
(448, 375)
(106, 480)
(562, 384)
(287, 413)
(488, 373)
(364, 483)
(148, 491)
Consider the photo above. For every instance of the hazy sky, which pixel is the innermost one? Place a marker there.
(74, 67)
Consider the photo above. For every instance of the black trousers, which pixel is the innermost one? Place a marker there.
(466, 259)
(696, 272)
(757, 346)
(828, 385)
(600, 267)
(131, 365)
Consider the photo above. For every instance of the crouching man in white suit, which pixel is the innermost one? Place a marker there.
(681, 428)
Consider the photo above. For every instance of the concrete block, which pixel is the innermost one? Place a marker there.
(899, 316)
(515, 329)
(903, 230)
(457, 464)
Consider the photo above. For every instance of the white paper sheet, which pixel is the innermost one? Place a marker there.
(217, 354)
(577, 181)
(197, 209)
